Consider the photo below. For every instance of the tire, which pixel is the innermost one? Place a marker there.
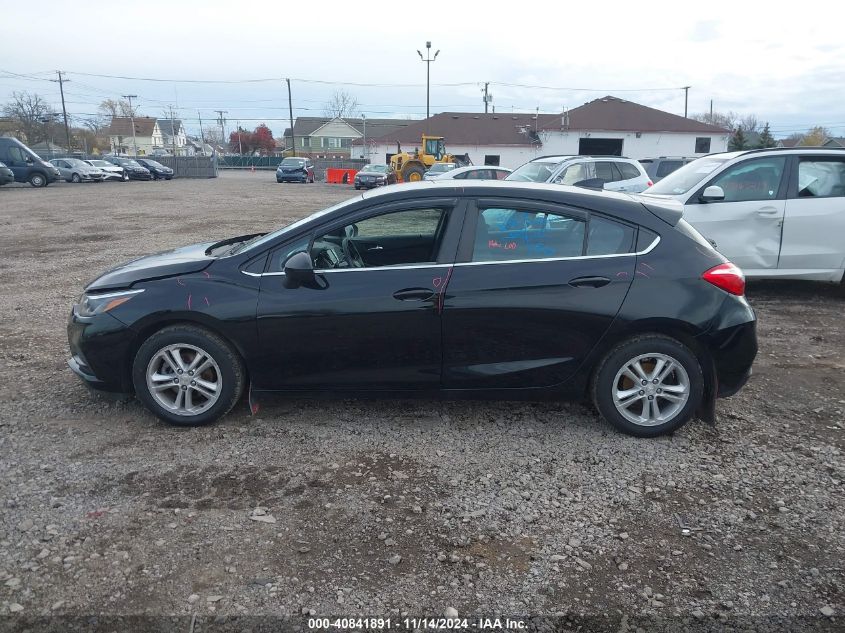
(226, 372)
(676, 396)
(413, 174)
(38, 180)
(76, 178)
(125, 177)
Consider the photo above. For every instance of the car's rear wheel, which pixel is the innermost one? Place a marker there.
(649, 385)
(187, 375)
(38, 180)
(76, 178)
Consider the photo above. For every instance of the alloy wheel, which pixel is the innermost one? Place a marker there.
(184, 379)
(651, 389)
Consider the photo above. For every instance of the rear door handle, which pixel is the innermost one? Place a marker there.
(589, 282)
(414, 294)
(376, 248)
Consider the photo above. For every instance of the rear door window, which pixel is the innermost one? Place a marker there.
(504, 234)
(607, 237)
(820, 177)
(607, 171)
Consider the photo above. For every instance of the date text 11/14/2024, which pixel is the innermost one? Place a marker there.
(413, 624)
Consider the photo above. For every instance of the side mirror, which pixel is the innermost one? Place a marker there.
(713, 193)
(28, 160)
(299, 271)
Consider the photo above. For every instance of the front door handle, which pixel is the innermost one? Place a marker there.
(413, 294)
(376, 248)
(768, 212)
(589, 282)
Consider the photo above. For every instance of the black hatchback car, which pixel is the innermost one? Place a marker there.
(479, 290)
(131, 168)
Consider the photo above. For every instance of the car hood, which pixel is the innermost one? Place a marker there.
(291, 167)
(181, 261)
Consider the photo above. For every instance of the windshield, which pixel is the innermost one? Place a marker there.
(441, 167)
(263, 239)
(100, 163)
(535, 171)
(293, 162)
(132, 163)
(153, 163)
(377, 168)
(687, 177)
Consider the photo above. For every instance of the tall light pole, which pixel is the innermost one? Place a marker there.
(686, 99)
(132, 121)
(427, 59)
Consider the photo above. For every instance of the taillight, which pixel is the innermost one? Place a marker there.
(650, 183)
(726, 276)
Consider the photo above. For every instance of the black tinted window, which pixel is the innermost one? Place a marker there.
(667, 167)
(607, 172)
(702, 145)
(606, 237)
(628, 171)
(509, 234)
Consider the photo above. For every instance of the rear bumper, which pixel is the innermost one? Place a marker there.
(733, 350)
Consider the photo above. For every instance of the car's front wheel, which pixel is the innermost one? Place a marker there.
(38, 180)
(76, 178)
(649, 385)
(187, 375)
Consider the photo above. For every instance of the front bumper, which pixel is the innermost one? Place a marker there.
(99, 351)
(291, 177)
(370, 184)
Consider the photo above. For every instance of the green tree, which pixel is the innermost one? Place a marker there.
(738, 140)
(766, 138)
(815, 136)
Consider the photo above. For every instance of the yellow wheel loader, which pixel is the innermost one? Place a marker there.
(410, 167)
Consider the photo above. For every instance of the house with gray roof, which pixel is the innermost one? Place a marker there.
(322, 136)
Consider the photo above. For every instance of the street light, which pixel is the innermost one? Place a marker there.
(427, 59)
(365, 153)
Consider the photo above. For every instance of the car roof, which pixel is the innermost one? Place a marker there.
(466, 168)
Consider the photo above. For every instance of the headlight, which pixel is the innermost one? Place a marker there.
(89, 305)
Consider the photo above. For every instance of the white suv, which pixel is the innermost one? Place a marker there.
(613, 173)
(776, 213)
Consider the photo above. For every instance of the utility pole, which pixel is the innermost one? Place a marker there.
(61, 81)
(222, 123)
(202, 135)
(365, 152)
(427, 59)
(711, 111)
(290, 112)
(173, 131)
(686, 99)
(132, 121)
(240, 145)
(487, 98)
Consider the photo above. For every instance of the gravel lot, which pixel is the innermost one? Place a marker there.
(386, 508)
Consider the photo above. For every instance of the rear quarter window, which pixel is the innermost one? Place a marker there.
(606, 237)
(628, 171)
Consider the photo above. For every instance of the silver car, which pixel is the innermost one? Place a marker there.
(75, 170)
(474, 172)
(612, 173)
(775, 213)
(437, 169)
(110, 171)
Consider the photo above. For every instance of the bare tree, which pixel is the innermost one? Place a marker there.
(111, 108)
(341, 105)
(729, 120)
(29, 116)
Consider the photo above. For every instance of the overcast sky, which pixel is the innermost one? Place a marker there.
(785, 65)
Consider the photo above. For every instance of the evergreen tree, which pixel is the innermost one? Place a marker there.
(766, 138)
(738, 141)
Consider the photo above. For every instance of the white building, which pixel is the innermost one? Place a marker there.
(606, 126)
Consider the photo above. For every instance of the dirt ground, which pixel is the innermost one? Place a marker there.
(395, 508)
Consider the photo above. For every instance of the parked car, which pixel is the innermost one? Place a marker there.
(613, 173)
(658, 168)
(25, 164)
(438, 169)
(110, 170)
(474, 172)
(6, 175)
(370, 176)
(295, 169)
(156, 169)
(480, 289)
(777, 213)
(76, 170)
(132, 168)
